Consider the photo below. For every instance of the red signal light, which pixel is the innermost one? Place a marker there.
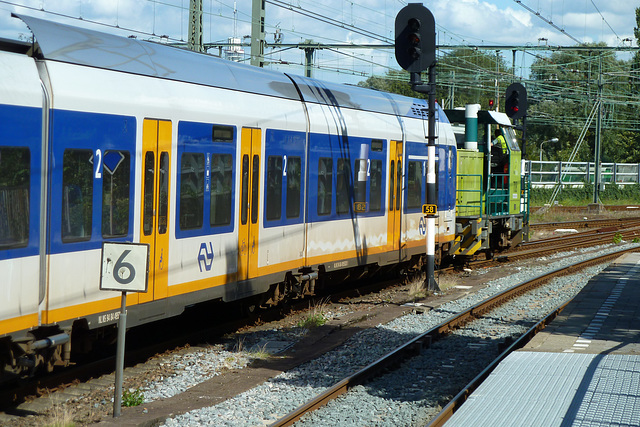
(491, 103)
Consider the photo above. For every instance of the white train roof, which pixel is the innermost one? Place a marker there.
(81, 46)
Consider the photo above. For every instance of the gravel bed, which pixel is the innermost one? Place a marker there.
(388, 400)
(192, 368)
(187, 369)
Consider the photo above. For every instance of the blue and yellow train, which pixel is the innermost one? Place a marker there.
(246, 184)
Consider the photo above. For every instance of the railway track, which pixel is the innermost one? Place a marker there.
(595, 232)
(584, 224)
(414, 347)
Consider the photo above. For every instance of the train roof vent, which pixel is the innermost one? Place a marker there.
(420, 110)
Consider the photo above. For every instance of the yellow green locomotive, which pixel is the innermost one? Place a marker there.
(492, 193)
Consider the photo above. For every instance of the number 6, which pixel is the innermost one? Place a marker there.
(121, 264)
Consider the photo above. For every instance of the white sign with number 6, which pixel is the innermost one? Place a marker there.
(125, 267)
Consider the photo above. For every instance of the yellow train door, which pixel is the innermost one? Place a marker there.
(395, 193)
(249, 204)
(154, 227)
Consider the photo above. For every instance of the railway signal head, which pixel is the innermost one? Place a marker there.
(415, 38)
(516, 101)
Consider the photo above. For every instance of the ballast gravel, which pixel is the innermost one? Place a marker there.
(407, 396)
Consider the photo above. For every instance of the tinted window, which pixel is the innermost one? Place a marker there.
(325, 179)
(359, 187)
(149, 182)
(244, 206)
(15, 173)
(375, 186)
(274, 188)
(414, 185)
(342, 186)
(77, 194)
(221, 189)
(116, 174)
(255, 181)
(398, 184)
(163, 187)
(294, 177)
(191, 190)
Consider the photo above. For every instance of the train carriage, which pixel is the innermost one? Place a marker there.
(246, 184)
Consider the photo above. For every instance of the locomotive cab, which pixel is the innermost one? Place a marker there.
(491, 195)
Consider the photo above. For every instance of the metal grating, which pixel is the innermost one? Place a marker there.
(556, 389)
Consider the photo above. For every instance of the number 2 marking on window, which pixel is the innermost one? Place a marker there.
(98, 174)
(284, 167)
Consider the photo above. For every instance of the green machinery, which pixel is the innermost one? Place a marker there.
(492, 209)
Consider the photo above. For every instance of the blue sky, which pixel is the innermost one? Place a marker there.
(474, 22)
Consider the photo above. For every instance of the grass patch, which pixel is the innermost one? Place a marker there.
(417, 291)
(60, 416)
(260, 353)
(132, 398)
(315, 316)
(446, 281)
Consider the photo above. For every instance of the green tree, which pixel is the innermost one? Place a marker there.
(463, 76)
(563, 92)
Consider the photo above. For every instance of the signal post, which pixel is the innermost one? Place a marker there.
(415, 48)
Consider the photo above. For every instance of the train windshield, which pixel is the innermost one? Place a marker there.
(510, 136)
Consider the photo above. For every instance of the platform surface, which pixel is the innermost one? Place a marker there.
(582, 370)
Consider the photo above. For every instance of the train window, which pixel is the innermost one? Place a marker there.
(163, 189)
(375, 186)
(221, 133)
(274, 188)
(325, 180)
(244, 210)
(398, 184)
(414, 184)
(191, 190)
(342, 186)
(77, 194)
(149, 182)
(377, 145)
(221, 188)
(254, 188)
(359, 190)
(392, 175)
(294, 178)
(116, 174)
(15, 171)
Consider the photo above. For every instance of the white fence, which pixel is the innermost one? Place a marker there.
(548, 174)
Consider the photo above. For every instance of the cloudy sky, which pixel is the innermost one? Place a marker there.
(357, 22)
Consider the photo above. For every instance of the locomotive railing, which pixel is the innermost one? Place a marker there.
(498, 194)
(469, 201)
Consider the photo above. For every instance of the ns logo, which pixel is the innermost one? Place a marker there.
(205, 256)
